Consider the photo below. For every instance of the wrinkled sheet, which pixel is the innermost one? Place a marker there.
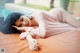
(68, 42)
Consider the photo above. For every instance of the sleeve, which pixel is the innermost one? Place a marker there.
(41, 30)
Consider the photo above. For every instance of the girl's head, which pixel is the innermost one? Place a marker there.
(23, 21)
(15, 18)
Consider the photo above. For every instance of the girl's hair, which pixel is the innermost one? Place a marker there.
(6, 26)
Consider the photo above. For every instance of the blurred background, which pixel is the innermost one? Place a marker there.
(72, 6)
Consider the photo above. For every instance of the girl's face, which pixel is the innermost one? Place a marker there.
(23, 21)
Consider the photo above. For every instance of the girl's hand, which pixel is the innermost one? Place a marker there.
(20, 28)
(16, 27)
(33, 44)
(27, 29)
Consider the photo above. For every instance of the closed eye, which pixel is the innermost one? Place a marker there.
(21, 20)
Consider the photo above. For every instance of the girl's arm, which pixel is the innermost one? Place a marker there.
(33, 45)
(25, 29)
(41, 29)
(20, 28)
(40, 32)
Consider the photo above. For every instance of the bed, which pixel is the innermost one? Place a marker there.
(68, 42)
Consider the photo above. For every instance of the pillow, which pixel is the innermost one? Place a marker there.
(5, 12)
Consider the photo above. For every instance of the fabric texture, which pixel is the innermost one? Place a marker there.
(54, 22)
(1, 20)
(68, 42)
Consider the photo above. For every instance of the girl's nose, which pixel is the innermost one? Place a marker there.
(23, 23)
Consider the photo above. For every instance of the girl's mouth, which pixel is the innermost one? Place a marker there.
(27, 24)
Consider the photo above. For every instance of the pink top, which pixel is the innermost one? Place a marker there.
(49, 25)
(53, 22)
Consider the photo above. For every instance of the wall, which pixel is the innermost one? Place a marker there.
(74, 8)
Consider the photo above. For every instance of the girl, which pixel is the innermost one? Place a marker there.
(41, 25)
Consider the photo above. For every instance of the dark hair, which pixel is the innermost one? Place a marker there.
(6, 26)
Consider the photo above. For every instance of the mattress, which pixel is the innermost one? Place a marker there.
(68, 42)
